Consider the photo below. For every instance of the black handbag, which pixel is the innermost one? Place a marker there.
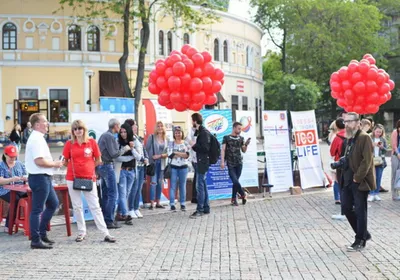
(167, 170)
(151, 168)
(80, 184)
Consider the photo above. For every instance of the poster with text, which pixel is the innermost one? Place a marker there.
(249, 177)
(219, 123)
(119, 108)
(307, 148)
(277, 150)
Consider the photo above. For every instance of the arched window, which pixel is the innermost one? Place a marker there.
(216, 50)
(186, 39)
(9, 36)
(93, 39)
(161, 42)
(248, 56)
(74, 38)
(225, 51)
(169, 44)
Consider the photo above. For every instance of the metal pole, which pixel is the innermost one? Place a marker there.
(90, 93)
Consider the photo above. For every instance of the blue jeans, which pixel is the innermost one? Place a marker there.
(126, 182)
(234, 174)
(336, 191)
(181, 175)
(203, 204)
(42, 194)
(378, 174)
(156, 183)
(134, 196)
(109, 191)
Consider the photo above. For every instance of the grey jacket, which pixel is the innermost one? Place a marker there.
(109, 147)
(151, 146)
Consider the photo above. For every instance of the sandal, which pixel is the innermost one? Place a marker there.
(80, 238)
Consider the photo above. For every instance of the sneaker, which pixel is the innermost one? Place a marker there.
(339, 217)
(80, 238)
(383, 190)
(357, 246)
(173, 208)
(337, 202)
(151, 207)
(371, 198)
(234, 203)
(120, 218)
(183, 207)
(159, 206)
(138, 214)
(129, 222)
(113, 226)
(196, 214)
(109, 239)
(377, 198)
(133, 215)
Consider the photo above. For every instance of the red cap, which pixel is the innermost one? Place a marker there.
(11, 151)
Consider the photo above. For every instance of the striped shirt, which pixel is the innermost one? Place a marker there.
(17, 171)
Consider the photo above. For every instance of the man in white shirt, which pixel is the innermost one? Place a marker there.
(39, 165)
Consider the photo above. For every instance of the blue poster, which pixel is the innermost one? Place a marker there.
(219, 123)
(117, 105)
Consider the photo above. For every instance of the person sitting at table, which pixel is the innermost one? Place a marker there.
(12, 171)
(82, 155)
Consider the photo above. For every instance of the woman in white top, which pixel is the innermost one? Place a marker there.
(178, 158)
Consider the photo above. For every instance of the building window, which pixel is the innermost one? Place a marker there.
(234, 105)
(9, 36)
(28, 93)
(216, 50)
(161, 43)
(248, 56)
(256, 102)
(93, 39)
(186, 39)
(245, 105)
(74, 38)
(225, 51)
(59, 105)
(169, 44)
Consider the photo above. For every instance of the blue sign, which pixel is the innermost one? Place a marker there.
(219, 123)
(117, 105)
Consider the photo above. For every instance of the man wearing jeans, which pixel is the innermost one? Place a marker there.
(201, 146)
(110, 151)
(232, 146)
(39, 165)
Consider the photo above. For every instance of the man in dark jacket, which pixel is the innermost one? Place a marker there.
(202, 148)
(358, 179)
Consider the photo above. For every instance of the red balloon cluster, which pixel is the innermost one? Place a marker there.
(361, 87)
(186, 79)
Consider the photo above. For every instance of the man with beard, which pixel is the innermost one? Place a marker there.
(358, 179)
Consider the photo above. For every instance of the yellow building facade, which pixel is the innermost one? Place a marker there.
(53, 62)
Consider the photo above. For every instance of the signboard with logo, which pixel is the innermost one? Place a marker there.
(277, 150)
(219, 123)
(120, 108)
(307, 148)
(249, 177)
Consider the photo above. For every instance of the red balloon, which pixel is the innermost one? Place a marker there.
(198, 59)
(162, 101)
(335, 77)
(154, 89)
(179, 68)
(191, 51)
(216, 86)
(180, 107)
(189, 65)
(334, 94)
(196, 85)
(389, 95)
(175, 97)
(207, 56)
(387, 77)
(197, 72)
(363, 68)
(356, 77)
(367, 55)
(176, 52)
(209, 69)
(185, 81)
(210, 100)
(372, 74)
(359, 87)
(341, 103)
(335, 86)
(160, 68)
(343, 74)
(373, 98)
(164, 95)
(185, 48)
(358, 109)
(380, 79)
(169, 106)
(161, 82)
(153, 76)
(196, 106)
(391, 84)
(159, 61)
(199, 97)
(348, 94)
(385, 88)
(187, 97)
(222, 81)
(169, 62)
(218, 74)
(174, 83)
(353, 66)
(360, 100)
(168, 73)
(207, 83)
(372, 108)
(174, 58)
(382, 99)
(371, 86)
(346, 85)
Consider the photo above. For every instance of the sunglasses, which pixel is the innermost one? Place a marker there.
(78, 128)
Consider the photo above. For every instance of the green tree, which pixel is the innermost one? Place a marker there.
(187, 15)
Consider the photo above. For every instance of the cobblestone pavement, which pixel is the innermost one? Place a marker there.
(286, 237)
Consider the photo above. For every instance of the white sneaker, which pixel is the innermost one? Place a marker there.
(133, 214)
(371, 198)
(138, 214)
(339, 217)
(377, 198)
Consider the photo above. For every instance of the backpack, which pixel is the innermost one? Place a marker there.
(215, 149)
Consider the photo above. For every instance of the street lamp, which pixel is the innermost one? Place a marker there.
(90, 74)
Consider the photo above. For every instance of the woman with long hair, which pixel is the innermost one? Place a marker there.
(157, 147)
(395, 141)
(82, 155)
(380, 148)
(16, 137)
(179, 153)
(127, 175)
(142, 159)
